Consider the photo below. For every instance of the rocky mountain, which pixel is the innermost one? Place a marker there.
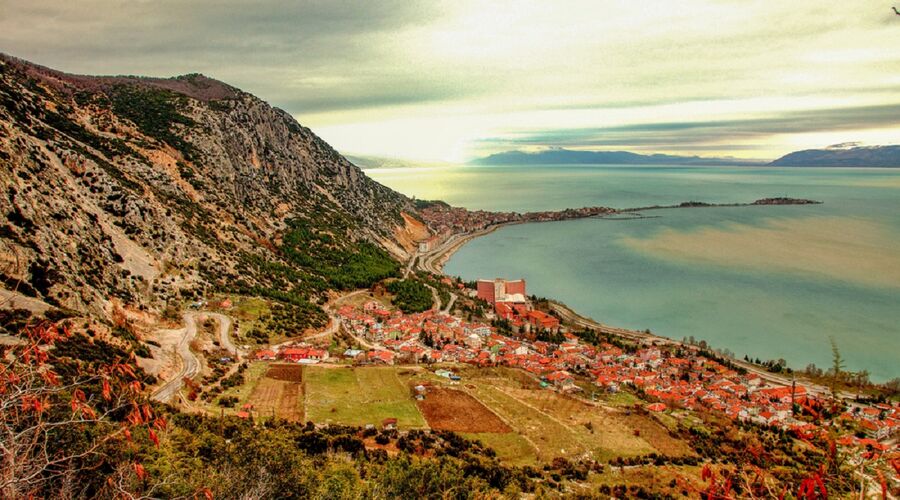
(858, 156)
(150, 189)
(559, 156)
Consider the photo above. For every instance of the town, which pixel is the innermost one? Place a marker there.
(446, 221)
(585, 364)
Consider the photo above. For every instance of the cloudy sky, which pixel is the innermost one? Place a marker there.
(449, 81)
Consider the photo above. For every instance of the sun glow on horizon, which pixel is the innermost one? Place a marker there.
(454, 81)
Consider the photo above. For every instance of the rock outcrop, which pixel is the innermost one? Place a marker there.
(150, 190)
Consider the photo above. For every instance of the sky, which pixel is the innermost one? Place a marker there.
(452, 81)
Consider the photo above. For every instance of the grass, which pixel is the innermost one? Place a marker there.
(358, 301)
(623, 398)
(252, 376)
(247, 310)
(511, 448)
(359, 396)
(557, 425)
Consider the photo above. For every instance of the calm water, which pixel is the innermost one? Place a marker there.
(771, 282)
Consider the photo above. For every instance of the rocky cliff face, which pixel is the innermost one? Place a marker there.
(156, 189)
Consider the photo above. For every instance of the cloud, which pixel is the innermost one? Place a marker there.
(262, 47)
(709, 135)
(404, 71)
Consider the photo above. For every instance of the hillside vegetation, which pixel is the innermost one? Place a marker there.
(155, 191)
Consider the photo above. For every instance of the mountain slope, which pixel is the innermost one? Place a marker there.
(560, 156)
(873, 156)
(156, 189)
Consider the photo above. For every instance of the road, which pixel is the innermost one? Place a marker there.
(450, 303)
(225, 341)
(190, 365)
(409, 264)
(571, 316)
(435, 298)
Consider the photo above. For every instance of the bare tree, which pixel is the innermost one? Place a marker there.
(36, 406)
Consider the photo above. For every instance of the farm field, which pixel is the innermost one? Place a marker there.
(558, 425)
(503, 408)
(279, 393)
(359, 396)
(511, 447)
(252, 377)
(454, 410)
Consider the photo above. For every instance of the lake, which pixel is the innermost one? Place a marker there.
(767, 281)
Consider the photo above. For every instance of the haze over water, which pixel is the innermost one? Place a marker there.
(769, 281)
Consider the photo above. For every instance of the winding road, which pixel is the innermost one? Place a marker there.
(190, 365)
(225, 341)
(450, 303)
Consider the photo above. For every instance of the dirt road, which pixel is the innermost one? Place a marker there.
(190, 365)
(225, 333)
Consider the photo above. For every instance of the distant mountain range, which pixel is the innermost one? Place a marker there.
(571, 157)
(872, 156)
(858, 156)
(374, 162)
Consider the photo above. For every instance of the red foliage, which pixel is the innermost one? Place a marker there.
(813, 488)
(30, 386)
(139, 470)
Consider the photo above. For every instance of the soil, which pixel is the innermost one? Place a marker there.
(280, 393)
(290, 373)
(453, 410)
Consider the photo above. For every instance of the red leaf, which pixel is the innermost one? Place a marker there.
(148, 412)
(153, 437)
(88, 411)
(139, 470)
(107, 391)
(706, 472)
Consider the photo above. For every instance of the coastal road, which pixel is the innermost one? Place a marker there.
(190, 365)
(571, 316)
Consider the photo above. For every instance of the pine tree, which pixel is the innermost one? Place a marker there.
(837, 367)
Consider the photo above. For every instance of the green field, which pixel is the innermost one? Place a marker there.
(512, 448)
(359, 396)
(252, 375)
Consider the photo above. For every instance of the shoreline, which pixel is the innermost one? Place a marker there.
(434, 260)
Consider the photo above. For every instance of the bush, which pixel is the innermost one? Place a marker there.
(411, 296)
